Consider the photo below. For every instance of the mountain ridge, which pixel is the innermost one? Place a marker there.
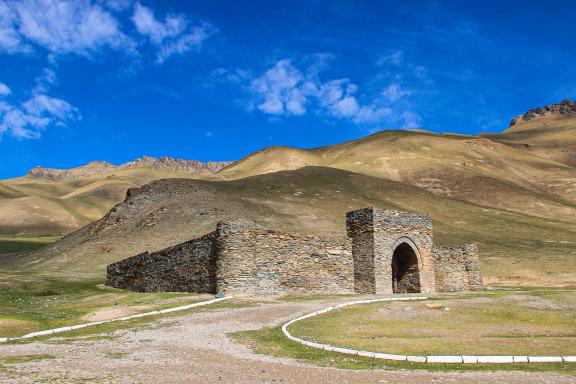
(94, 168)
(565, 107)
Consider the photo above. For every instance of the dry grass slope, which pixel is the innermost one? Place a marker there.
(39, 206)
(514, 193)
(516, 247)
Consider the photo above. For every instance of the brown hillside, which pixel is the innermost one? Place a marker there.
(53, 201)
(314, 200)
(470, 168)
(548, 132)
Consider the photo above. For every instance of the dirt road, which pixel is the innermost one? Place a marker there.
(194, 348)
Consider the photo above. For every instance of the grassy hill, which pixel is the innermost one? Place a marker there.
(515, 247)
(550, 136)
(470, 168)
(49, 202)
(514, 193)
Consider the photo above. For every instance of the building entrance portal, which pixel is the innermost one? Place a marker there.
(405, 272)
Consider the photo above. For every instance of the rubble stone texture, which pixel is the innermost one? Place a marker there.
(386, 252)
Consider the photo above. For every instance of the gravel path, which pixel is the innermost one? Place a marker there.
(194, 348)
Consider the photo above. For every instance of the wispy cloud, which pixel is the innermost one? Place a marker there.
(60, 27)
(30, 118)
(172, 36)
(395, 92)
(4, 89)
(286, 89)
(393, 58)
(85, 28)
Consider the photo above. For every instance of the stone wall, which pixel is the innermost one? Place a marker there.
(472, 263)
(387, 252)
(254, 261)
(187, 267)
(376, 233)
(457, 269)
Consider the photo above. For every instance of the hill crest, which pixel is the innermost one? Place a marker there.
(95, 168)
(565, 107)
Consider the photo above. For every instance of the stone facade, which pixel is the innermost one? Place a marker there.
(386, 252)
(186, 267)
(392, 251)
(254, 261)
(457, 269)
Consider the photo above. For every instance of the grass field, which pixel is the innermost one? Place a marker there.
(10, 244)
(31, 302)
(272, 342)
(530, 322)
(508, 321)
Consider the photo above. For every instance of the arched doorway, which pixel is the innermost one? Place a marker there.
(405, 271)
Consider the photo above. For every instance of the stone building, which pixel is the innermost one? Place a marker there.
(386, 252)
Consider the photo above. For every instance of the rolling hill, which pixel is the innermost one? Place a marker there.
(547, 132)
(312, 200)
(514, 193)
(54, 202)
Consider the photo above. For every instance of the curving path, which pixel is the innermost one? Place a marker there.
(91, 324)
(194, 348)
(469, 359)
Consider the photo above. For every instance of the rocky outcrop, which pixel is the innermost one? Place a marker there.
(189, 166)
(565, 107)
(95, 168)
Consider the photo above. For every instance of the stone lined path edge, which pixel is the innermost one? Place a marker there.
(151, 313)
(468, 359)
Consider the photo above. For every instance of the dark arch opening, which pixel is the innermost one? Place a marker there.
(405, 272)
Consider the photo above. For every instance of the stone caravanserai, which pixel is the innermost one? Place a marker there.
(386, 252)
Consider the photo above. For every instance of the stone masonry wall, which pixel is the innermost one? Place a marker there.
(457, 269)
(241, 258)
(254, 261)
(360, 229)
(187, 267)
(472, 263)
(385, 230)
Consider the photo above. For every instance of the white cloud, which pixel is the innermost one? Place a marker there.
(411, 120)
(395, 92)
(116, 5)
(61, 27)
(29, 119)
(45, 80)
(4, 89)
(392, 58)
(284, 89)
(173, 36)
(10, 39)
(87, 27)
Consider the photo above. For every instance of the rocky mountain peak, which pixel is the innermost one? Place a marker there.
(94, 168)
(564, 107)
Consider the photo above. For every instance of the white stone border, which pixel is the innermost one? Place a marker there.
(417, 359)
(152, 313)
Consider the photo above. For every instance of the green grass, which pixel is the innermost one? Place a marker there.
(271, 341)
(523, 323)
(302, 298)
(24, 359)
(30, 302)
(114, 330)
(24, 244)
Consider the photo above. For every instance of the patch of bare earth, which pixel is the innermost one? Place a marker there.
(195, 348)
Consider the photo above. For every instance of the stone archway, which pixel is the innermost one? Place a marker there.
(405, 269)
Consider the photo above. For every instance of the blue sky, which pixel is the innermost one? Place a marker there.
(216, 80)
